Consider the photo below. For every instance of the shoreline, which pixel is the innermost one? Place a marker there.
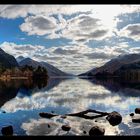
(14, 78)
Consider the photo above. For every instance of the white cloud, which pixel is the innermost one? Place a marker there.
(38, 25)
(24, 50)
(131, 31)
(90, 22)
(94, 22)
(134, 50)
(14, 11)
(84, 28)
(80, 29)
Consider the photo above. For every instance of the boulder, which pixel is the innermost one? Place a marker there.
(136, 120)
(66, 127)
(96, 131)
(131, 114)
(49, 126)
(7, 131)
(46, 115)
(84, 132)
(137, 110)
(63, 116)
(114, 118)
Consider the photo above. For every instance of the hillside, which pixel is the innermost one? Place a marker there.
(52, 71)
(113, 65)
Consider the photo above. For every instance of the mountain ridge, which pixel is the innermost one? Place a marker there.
(52, 70)
(7, 60)
(113, 65)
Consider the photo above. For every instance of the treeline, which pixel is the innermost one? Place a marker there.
(126, 74)
(26, 71)
(130, 74)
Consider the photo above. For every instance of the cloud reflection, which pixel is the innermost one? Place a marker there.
(76, 94)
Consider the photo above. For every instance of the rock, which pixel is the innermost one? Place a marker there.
(131, 114)
(136, 120)
(84, 132)
(66, 127)
(7, 131)
(96, 131)
(137, 110)
(64, 117)
(114, 118)
(47, 115)
(49, 126)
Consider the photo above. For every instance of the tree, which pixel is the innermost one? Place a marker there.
(2, 68)
(40, 72)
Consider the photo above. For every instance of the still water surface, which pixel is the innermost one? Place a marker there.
(23, 101)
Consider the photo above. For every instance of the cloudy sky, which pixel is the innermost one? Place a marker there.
(74, 38)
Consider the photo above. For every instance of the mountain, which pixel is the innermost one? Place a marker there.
(52, 71)
(129, 71)
(113, 65)
(7, 60)
(134, 66)
(20, 58)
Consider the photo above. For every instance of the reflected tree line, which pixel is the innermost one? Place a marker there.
(36, 78)
(125, 87)
(9, 89)
(130, 75)
(125, 79)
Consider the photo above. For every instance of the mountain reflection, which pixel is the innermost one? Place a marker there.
(119, 86)
(10, 89)
(63, 96)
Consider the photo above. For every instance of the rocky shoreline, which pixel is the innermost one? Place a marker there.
(114, 118)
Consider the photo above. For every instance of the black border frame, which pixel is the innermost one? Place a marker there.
(69, 1)
(75, 2)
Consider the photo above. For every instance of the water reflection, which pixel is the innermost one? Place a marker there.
(8, 91)
(66, 96)
(77, 126)
(130, 88)
(11, 89)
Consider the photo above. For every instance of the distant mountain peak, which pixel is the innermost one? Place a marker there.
(28, 59)
(20, 58)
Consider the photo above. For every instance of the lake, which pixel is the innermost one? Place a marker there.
(24, 100)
